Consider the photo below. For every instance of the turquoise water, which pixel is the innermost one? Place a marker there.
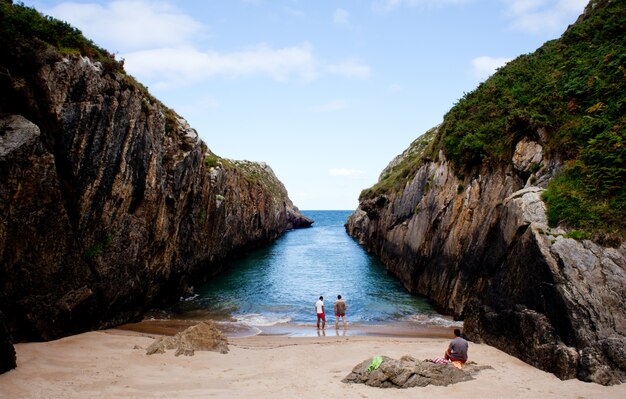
(279, 284)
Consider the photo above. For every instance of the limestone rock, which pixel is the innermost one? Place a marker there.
(408, 373)
(18, 132)
(110, 203)
(204, 336)
(527, 153)
(485, 254)
(473, 236)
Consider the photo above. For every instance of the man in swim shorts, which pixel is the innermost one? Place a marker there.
(319, 309)
(340, 311)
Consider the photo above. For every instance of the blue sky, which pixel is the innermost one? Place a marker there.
(326, 92)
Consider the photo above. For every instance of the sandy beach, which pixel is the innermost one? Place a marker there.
(113, 364)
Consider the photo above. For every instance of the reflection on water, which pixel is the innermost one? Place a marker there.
(280, 283)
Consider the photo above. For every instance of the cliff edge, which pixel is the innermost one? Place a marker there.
(509, 215)
(109, 201)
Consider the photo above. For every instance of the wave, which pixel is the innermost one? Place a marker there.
(189, 298)
(255, 319)
(432, 319)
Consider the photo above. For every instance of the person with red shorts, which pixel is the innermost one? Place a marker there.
(319, 309)
(340, 311)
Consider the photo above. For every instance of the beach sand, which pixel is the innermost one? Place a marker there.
(113, 364)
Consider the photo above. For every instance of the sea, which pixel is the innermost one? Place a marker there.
(275, 288)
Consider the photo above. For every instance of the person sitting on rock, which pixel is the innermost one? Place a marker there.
(457, 350)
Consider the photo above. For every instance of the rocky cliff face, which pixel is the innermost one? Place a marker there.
(460, 215)
(7, 352)
(480, 247)
(109, 202)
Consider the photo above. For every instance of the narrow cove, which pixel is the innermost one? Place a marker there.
(273, 290)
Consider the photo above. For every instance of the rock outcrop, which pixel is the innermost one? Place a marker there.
(204, 336)
(480, 247)
(109, 201)
(459, 216)
(7, 352)
(409, 373)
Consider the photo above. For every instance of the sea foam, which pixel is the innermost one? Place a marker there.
(255, 319)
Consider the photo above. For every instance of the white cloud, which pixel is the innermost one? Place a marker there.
(388, 5)
(116, 25)
(343, 172)
(331, 106)
(163, 46)
(543, 16)
(349, 69)
(187, 64)
(341, 17)
(485, 66)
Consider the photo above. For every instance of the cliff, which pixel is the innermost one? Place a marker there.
(109, 201)
(467, 214)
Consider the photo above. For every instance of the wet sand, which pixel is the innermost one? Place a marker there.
(236, 330)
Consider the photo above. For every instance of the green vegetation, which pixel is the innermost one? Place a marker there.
(96, 250)
(211, 160)
(570, 202)
(28, 38)
(256, 174)
(171, 124)
(573, 90)
(23, 30)
(202, 216)
(397, 176)
(578, 235)
(535, 167)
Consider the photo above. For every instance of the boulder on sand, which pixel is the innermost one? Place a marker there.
(204, 336)
(409, 372)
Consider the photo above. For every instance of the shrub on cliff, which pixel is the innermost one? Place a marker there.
(574, 90)
(24, 29)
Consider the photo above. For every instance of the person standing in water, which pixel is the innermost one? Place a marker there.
(340, 311)
(319, 309)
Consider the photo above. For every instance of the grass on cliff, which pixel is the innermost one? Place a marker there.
(395, 177)
(24, 29)
(574, 90)
(28, 35)
(257, 175)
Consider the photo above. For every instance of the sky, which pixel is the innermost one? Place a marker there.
(325, 92)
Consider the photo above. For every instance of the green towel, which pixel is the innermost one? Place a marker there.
(376, 361)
